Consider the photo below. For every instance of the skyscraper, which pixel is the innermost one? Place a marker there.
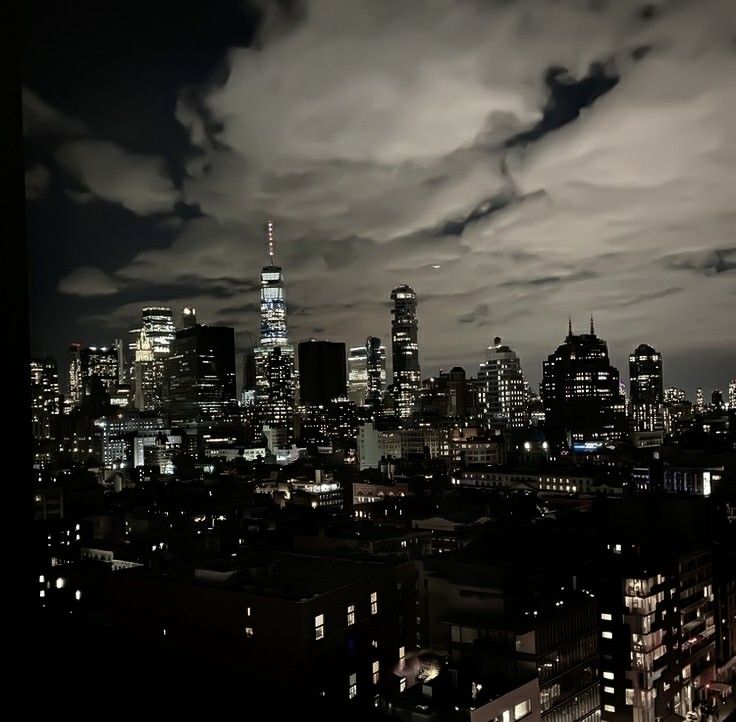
(580, 390)
(102, 363)
(188, 317)
(274, 356)
(646, 389)
(201, 374)
(407, 380)
(500, 388)
(75, 373)
(45, 397)
(367, 372)
(322, 375)
(151, 346)
(375, 371)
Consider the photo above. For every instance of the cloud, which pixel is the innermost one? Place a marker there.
(40, 118)
(140, 183)
(88, 281)
(551, 158)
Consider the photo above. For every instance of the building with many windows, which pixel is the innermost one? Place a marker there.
(646, 389)
(201, 374)
(500, 388)
(580, 391)
(274, 357)
(407, 380)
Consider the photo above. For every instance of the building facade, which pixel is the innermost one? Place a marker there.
(407, 379)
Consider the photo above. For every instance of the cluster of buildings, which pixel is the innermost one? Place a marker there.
(443, 548)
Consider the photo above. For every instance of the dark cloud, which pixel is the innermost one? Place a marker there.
(708, 263)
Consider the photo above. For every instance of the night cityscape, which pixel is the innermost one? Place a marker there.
(382, 359)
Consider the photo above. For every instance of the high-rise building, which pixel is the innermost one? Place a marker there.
(188, 317)
(150, 347)
(322, 375)
(101, 362)
(646, 389)
(75, 373)
(367, 372)
(45, 397)
(376, 371)
(580, 391)
(699, 401)
(201, 374)
(732, 394)
(674, 395)
(274, 356)
(358, 374)
(500, 388)
(407, 381)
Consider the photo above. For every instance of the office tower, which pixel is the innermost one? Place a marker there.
(150, 347)
(322, 375)
(201, 374)
(580, 391)
(102, 363)
(447, 395)
(45, 396)
(407, 380)
(75, 373)
(248, 395)
(500, 388)
(699, 401)
(732, 394)
(358, 374)
(274, 356)
(188, 317)
(646, 389)
(716, 400)
(375, 371)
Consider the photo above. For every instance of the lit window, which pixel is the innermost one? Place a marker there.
(352, 686)
(41, 579)
(522, 709)
(606, 617)
(375, 672)
(608, 675)
(609, 690)
(60, 583)
(607, 635)
(630, 696)
(402, 653)
(374, 602)
(42, 593)
(351, 614)
(402, 684)
(77, 595)
(249, 631)
(319, 626)
(609, 708)
(506, 716)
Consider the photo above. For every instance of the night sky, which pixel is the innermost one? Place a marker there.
(514, 161)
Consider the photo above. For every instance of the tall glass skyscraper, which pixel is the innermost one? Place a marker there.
(646, 389)
(500, 388)
(407, 382)
(367, 372)
(274, 356)
(151, 347)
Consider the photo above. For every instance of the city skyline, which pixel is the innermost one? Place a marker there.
(518, 200)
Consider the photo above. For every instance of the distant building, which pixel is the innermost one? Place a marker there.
(580, 391)
(322, 376)
(646, 389)
(45, 396)
(201, 374)
(274, 357)
(407, 379)
(373, 444)
(500, 388)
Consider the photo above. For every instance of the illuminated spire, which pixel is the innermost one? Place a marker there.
(270, 239)
(592, 327)
(569, 325)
